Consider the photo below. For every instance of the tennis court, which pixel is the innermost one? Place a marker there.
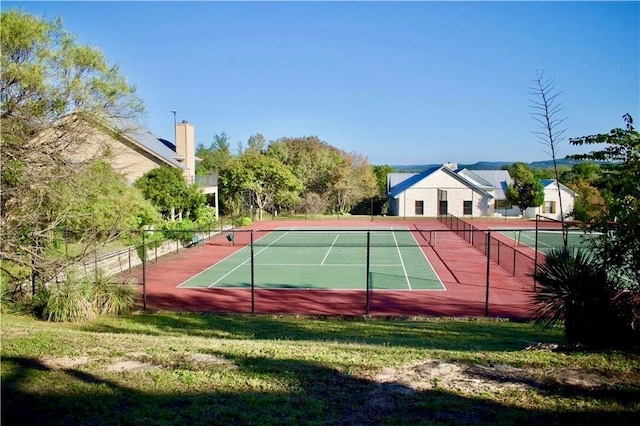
(549, 239)
(298, 258)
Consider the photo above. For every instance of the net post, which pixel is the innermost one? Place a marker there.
(486, 305)
(252, 277)
(368, 283)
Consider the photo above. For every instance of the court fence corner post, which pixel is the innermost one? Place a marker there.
(144, 271)
(486, 304)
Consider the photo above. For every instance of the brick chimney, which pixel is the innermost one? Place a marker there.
(186, 146)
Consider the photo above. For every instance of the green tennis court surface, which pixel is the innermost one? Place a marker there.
(325, 259)
(550, 239)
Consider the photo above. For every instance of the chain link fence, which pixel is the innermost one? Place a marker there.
(449, 270)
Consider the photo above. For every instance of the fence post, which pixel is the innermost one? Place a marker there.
(144, 271)
(252, 277)
(535, 260)
(486, 306)
(368, 283)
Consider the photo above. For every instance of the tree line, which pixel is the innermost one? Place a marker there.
(299, 175)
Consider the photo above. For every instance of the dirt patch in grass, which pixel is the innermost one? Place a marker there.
(465, 378)
(65, 362)
(132, 365)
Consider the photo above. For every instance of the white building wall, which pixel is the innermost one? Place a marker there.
(426, 190)
(551, 196)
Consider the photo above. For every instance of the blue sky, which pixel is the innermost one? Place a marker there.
(398, 82)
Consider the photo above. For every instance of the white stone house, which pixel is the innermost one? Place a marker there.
(438, 190)
(551, 206)
(496, 183)
(466, 193)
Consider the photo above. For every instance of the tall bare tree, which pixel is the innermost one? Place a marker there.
(546, 110)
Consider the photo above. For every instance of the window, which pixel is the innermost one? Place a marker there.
(419, 208)
(467, 208)
(443, 207)
(549, 207)
(502, 204)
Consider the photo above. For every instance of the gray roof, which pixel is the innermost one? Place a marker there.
(413, 178)
(410, 179)
(497, 179)
(548, 182)
(143, 137)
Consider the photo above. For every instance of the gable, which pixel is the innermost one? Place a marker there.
(436, 177)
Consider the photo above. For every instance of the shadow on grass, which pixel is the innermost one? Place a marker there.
(305, 393)
(452, 334)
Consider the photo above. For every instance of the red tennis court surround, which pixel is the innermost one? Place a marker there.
(462, 269)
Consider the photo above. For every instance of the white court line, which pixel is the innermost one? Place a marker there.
(401, 260)
(526, 235)
(220, 261)
(329, 251)
(427, 259)
(254, 255)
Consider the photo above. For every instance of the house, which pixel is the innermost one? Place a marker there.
(435, 191)
(462, 192)
(551, 206)
(496, 183)
(133, 150)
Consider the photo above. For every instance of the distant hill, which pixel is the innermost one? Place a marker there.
(487, 165)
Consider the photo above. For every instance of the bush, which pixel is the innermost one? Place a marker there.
(179, 230)
(6, 302)
(68, 301)
(111, 297)
(576, 290)
(205, 218)
(242, 221)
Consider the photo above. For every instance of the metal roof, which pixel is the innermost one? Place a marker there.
(141, 136)
(499, 180)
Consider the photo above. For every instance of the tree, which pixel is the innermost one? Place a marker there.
(269, 181)
(525, 191)
(596, 293)
(546, 109)
(584, 178)
(216, 157)
(167, 189)
(381, 172)
(50, 87)
(354, 181)
(256, 143)
(619, 223)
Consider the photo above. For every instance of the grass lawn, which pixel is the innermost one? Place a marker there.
(156, 369)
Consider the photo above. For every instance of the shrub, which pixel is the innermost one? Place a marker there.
(576, 290)
(109, 297)
(68, 301)
(179, 230)
(242, 221)
(6, 302)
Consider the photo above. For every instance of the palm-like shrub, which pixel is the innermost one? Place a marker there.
(576, 289)
(68, 301)
(111, 297)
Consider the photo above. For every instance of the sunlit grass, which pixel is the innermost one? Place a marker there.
(205, 369)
